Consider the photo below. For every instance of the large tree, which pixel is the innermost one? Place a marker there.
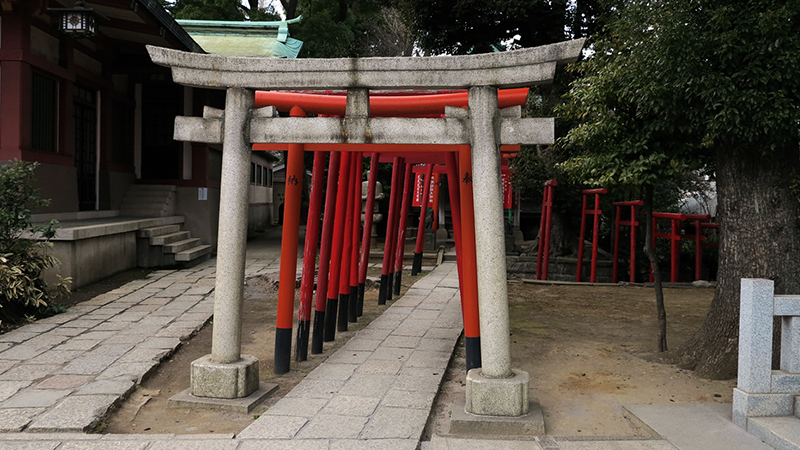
(681, 83)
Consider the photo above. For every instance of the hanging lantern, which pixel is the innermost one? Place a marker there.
(77, 21)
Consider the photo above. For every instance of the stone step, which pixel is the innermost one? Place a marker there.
(158, 231)
(143, 212)
(780, 432)
(193, 253)
(797, 406)
(153, 187)
(177, 247)
(170, 238)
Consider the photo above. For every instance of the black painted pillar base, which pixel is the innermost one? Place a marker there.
(283, 350)
(389, 284)
(319, 329)
(416, 267)
(473, 352)
(344, 305)
(352, 310)
(330, 319)
(398, 276)
(360, 304)
(301, 348)
(384, 288)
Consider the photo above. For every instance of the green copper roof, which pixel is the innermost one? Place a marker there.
(244, 38)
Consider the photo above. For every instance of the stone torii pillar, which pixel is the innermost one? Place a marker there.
(495, 389)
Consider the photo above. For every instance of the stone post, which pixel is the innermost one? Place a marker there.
(226, 373)
(494, 389)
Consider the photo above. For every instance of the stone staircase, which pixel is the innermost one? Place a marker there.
(148, 200)
(168, 246)
(782, 433)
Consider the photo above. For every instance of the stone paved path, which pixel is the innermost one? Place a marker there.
(60, 375)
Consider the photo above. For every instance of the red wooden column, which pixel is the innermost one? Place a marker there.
(325, 253)
(309, 259)
(402, 228)
(595, 232)
(391, 227)
(543, 255)
(366, 237)
(289, 244)
(633, 223)
(451, 165)
(347, 251)
(352, 310)
(469, 291)
(336, 250)
(437, 179)
(416, 266)
(396, 233)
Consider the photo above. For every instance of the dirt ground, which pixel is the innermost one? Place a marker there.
(588, 350)
(146, 411)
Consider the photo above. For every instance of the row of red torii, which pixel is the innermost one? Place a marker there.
(466, 140)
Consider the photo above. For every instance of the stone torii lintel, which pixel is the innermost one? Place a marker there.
(514, 68)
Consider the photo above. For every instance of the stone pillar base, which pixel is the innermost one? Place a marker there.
(507, 397)
(224, 380)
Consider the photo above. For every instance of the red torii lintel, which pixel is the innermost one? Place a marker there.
(381, 105)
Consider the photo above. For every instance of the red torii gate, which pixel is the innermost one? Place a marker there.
(341, 270)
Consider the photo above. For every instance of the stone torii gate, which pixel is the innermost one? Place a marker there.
(494, 389)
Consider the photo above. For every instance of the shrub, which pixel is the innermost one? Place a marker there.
(23, 293)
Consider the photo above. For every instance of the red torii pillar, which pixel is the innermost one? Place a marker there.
(325, 254)
(367, 232)
(309, 259)
(417, 264)
(633, 223)
(469, 292)
(336, 248)
(543, 255)
(289, 244)
(391, 227)
(596, 212)
(401, 230)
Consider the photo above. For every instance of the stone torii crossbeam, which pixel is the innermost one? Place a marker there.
(494, 389)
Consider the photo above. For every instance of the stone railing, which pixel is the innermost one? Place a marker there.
(761, 391)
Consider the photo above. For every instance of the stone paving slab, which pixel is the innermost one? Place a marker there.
(377, 390)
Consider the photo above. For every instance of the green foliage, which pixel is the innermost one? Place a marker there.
(476, 26)
(22, 261)
(232, 10)
(673, 82)
(350, 28)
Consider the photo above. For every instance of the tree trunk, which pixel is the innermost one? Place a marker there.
(650, 252)
(759, 238)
